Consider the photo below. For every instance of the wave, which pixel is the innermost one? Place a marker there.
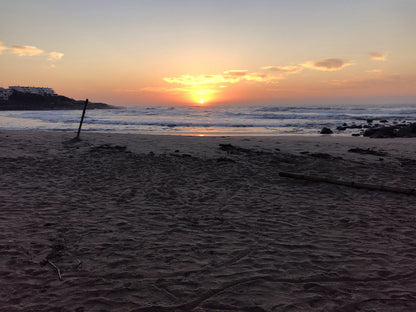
(244, 119)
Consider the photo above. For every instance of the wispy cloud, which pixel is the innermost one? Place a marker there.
(237, 72)
(377, 56)
(291, 69)
(375, 71)
(2, 47)
(268, 77)
(189, 91)
(332, 64)
(195, 80)
(197, 87)
(25, 50)
(229, 76)
(234, 76)
(55, 56)
(30, 51)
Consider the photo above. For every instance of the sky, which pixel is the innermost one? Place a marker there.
(142, 52)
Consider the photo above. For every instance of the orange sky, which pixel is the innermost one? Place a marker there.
(180, 52)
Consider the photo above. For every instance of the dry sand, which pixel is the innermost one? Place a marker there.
(166, 223)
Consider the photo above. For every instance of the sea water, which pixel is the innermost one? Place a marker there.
(212, 120)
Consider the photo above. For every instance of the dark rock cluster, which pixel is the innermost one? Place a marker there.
(379, 130)
(394, 131)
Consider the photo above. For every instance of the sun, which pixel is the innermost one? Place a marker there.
(201, 101)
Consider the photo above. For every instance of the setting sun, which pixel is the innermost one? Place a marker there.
(201, 101)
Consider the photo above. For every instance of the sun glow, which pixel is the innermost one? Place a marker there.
(201, 96)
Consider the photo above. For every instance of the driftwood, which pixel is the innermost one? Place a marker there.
(384, 188)
(56, 268)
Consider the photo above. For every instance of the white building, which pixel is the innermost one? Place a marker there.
(33, 90)
(5, 93)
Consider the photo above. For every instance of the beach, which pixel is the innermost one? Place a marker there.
(130, 222)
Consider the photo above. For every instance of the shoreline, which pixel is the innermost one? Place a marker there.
(206, 146)
(150, 222)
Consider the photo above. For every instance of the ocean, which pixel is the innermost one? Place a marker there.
(212, 120)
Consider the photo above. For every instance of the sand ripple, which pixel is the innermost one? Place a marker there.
(172, 232)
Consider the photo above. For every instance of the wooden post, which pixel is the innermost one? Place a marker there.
(82, 119)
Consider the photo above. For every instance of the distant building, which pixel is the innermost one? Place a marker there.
(33, 90)
(5, 93)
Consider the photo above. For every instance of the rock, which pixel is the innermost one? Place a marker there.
(402, 130)
(407, 131)
(383, 121)
(369, 121)
(354, 126)
(381, 132)
(355, 134)
(326, 130)
(367, 151)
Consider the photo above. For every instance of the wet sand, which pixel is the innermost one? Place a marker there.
(119, 222)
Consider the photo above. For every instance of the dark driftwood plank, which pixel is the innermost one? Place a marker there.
(349, 183)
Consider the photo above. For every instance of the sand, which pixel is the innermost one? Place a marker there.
(168, 223)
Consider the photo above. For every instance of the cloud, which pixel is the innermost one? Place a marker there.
(195, 80)
(270, 77)
(29, 51)
(332, 64)
(260, 77)
(25, 50)
(2, 47)
(234, 76)
(229, 76)
(55, 56)
(377, 56)
(375, 71)
(236, 72)
(197, 87)
(284, 69)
